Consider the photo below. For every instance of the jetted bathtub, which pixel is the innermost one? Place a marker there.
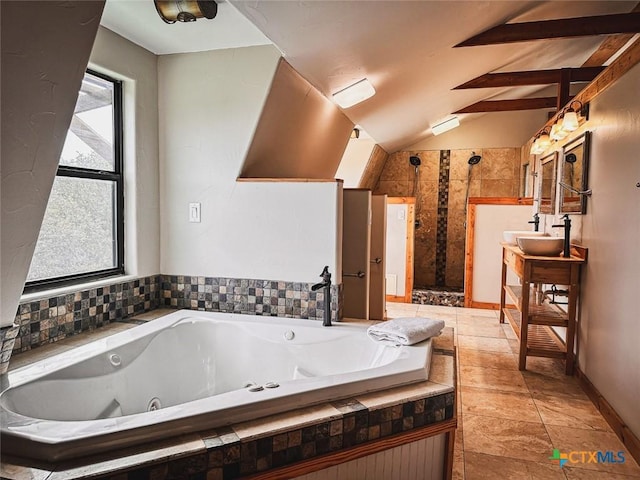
(189, 371)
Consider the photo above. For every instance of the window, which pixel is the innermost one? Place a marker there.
(82, 234)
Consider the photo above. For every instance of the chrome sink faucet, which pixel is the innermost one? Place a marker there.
(326, 284)
(567, 235)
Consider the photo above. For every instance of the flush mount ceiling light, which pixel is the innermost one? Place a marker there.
(353, 94)
(172, 11)
(445, 126)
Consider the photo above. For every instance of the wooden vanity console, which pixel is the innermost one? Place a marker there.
(531, 320)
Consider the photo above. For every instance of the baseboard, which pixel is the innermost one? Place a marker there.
(623, 432)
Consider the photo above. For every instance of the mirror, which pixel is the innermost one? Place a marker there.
(526, 181)
(575, 166)
(547, 197)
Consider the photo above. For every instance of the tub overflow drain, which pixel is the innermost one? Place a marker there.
(115, 359)
(288, 335)
(154, 404)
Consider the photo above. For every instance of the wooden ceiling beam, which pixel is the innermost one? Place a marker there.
(560, 28)
(530, 77)
(510, 105)
(609, 46)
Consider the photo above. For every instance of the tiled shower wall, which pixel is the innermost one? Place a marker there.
(54, 318)
(441, 200)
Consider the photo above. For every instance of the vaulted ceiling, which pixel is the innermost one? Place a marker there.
(413, 53)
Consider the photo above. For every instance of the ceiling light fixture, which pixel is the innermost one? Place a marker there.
(172, 11)
(445, 126)
(353, 94)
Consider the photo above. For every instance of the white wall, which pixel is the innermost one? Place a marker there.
(210, 103)
(137, 68)
(490, 222)
(609, 333)
(354, 160)
(45, 49)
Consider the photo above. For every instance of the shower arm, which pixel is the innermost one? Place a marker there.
(575, 190)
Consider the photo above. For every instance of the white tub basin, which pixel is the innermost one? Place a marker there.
(511, 236)
(542, 246)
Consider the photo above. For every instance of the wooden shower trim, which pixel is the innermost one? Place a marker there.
(408, 280)
(470, 239)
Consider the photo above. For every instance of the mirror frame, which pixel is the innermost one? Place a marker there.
(578, 205)
(549, 205)
(526, 182)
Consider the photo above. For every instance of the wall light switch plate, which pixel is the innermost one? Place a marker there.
(194, 212)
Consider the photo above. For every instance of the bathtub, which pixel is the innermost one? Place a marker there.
(191, 371)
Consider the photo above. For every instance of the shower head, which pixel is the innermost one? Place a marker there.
(414, 160)
(474, 159)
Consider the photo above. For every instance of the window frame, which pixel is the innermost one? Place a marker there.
(115, 176)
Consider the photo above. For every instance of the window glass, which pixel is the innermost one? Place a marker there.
(90, 139)
(77, 232)
(82, 234)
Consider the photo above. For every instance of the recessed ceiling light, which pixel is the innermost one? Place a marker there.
(355, 93)
(445, 126)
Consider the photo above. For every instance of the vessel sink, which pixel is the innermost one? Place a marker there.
(510, 236)
(542, 246)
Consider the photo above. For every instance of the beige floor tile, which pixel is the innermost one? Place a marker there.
(508, 331)
(491, 378)
(458, 463)
(574, 473)
(479, 358)
(484, 343)
(492, 403)
(514, 345)
(477, 320)
(574, 412)
(480, 466)
(494, 331)
(479, 312)
(550, 367)
(544, 384)
(568, 439)
(507, 438)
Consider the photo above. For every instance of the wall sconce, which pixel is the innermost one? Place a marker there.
(568, 121)
(172, 11)
(541, 143)
(355, 133)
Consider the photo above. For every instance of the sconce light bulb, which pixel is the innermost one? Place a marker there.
(570, 121)
(544, 140)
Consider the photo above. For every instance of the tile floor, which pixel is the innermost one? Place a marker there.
(509, 422)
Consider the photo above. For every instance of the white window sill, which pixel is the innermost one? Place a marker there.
(56, 292)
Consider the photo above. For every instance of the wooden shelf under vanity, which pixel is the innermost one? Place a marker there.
(532, 320)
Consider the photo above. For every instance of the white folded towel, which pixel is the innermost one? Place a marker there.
(405, 331)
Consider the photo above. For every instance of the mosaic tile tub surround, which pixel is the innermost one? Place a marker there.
(53, 318)
(249, 296)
